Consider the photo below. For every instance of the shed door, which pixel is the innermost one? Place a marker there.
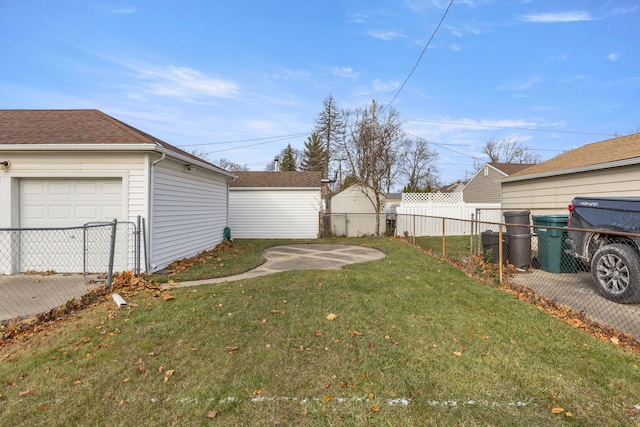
(49, 203)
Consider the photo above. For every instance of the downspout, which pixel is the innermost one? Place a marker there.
(150, 211)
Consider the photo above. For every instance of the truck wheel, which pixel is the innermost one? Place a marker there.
(615, 270)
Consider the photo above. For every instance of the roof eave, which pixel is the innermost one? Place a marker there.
(587, 168)
(117, 147)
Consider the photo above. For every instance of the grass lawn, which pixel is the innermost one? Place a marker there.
(414, 342)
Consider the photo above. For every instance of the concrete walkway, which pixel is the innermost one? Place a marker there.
(302, 257)
(26, 295)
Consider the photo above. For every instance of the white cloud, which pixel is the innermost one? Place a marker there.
(523, 85)
(124, 10)
(573, 16)
(185, 82)
(624, 10)
(613, 56)
(379, 85)
(385, 35)
(345, 72)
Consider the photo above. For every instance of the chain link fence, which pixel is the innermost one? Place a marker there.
(44, 268)
(530, 252)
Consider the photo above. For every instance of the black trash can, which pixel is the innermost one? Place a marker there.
(519, 251)
(515, 219)
(491, 246)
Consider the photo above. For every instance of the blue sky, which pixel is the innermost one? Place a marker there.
(242, 79)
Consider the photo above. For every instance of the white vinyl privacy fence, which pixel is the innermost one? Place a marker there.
(417, 206)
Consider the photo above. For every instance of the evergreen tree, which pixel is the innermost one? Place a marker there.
(288, 161)
(315, 155)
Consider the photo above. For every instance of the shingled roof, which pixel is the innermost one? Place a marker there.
(609, 153)
(76, 127)
(251, 179)
(510, 168)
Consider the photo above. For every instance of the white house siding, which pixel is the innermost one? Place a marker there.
(189, 212)
(556, 192)
(286, 213)
(70, 167)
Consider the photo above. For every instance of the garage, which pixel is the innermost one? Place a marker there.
(69, 202)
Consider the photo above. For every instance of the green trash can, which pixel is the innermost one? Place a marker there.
(552, 244)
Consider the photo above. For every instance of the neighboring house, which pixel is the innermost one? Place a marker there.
(456, 187)
(353, 214)
(279, 204)
(605, 168)
(484, 186)
(72, 167)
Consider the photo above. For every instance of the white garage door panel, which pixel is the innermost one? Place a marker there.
(47, 203)
(69, 202)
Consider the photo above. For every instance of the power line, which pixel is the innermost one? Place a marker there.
(266, 139)
(426, 46)
(509, 127)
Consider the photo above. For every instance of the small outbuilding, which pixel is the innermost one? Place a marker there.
(279, 204)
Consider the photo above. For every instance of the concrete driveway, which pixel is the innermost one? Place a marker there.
(24, 295)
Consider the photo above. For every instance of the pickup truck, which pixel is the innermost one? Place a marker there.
(598, 234)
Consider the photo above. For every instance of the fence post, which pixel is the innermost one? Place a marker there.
(137, 250)
(472, 226)
(444, 240)
(414, 229)
(112, 251)
(500, 261)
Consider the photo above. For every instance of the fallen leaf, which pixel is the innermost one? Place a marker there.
(457, 353)
(43, 407)
(167, 297)
(122, 403)
(211, 414)
(126, 380)
(356, 333)
(371, 396)
(231, 348)
(327, 398)
(375, 409)
(318, 333)
(331, 316)
(557, 410)
(27, 392)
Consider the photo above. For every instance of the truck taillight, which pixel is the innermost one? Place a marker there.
(571, 208)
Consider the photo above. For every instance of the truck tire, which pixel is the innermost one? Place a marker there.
(615, 270)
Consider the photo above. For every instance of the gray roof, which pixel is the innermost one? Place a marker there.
(251, 179)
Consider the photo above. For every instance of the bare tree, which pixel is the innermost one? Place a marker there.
(231, 166)
(330, 128)
(509, 150)
(371, 149)
(418, 164)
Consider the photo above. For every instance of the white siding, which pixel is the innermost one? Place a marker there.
(128, 167)
(189, 212)
(556, 192)
(274, 213)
